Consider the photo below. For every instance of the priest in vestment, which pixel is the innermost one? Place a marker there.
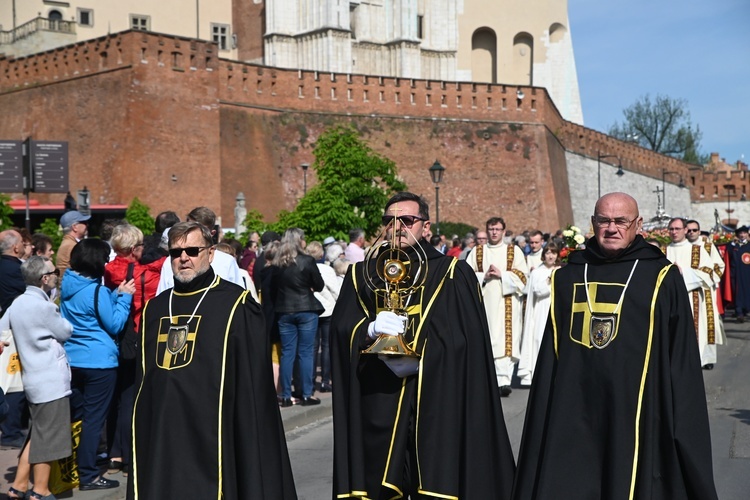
(700, 279)
(501, 269)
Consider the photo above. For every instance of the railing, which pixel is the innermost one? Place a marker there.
(38, 24)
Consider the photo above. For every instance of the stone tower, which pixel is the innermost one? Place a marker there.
(505, 41)
(521, 43)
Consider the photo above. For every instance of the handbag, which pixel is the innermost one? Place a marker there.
(10, 365)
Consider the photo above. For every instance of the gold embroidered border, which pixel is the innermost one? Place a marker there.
(637, 422)
(480, 258)
(696, 311)
(508, 325)
(710, 319)
(695, 257)
(718, 271)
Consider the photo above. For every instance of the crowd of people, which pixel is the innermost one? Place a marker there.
(185, 333)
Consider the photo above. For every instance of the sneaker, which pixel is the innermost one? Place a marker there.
(100, 484)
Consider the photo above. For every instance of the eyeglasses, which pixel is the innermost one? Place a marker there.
(56, 272)
(693, 230)
(405, 220)
(675, 228)
(190, 251)
(620, 222)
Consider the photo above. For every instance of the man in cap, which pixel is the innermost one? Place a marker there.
(330, 240)
(75, 227)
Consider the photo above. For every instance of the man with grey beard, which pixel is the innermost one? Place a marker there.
(206, 409)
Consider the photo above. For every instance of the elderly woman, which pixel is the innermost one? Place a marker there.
(145, 270)
(297, 312)
(98, 315)
(39, 332)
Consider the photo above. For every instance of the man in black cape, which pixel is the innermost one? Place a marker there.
(426, 428)
(617, 408)
(206, 422)
(740, 262)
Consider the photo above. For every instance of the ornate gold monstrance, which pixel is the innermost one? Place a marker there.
(400, 273)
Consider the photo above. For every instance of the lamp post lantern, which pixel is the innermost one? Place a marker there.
(599, 158)
(664, 174)
(436, 174)
(304, 166)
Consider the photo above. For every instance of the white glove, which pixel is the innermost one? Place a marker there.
(401, 366)
(388, 323)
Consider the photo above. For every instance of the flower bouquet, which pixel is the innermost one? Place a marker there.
(572, 239)
(722, 238)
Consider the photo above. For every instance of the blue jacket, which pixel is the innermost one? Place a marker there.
(92, 344)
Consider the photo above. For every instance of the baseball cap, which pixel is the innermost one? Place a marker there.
(329, 241)
(70, 218)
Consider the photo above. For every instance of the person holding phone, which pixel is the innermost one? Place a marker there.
(98, 315)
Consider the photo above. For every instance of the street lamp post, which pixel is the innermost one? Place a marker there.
(664, 174)
(304, 166)
(436, 173)
(730, 191)
(599, 158)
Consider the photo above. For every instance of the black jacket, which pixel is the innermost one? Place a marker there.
(296, 285)
(11, 281)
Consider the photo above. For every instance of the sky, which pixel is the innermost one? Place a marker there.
(697, 50)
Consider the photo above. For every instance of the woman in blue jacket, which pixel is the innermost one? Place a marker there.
(98, 315)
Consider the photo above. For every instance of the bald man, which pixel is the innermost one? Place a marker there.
(618, 407)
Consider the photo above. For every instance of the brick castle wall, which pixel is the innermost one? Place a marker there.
(138, 108)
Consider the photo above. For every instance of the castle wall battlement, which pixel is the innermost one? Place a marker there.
(253, 85)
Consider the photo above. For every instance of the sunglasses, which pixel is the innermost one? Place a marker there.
(693, 230)
(405, 220)
(56, 272)
(190, 251)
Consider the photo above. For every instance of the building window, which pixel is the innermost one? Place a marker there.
(55, 15)
(420, 27)
(220, 35)
(140, 22)
(85, 17)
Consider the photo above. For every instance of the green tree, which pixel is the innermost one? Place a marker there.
(138, 215)
(51, 227)
(253, 222)
(5, 212)
(354, 184)
(662, 125)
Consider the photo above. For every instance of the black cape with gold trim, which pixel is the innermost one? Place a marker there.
(448, 418)
(627, 419)
(206, 422)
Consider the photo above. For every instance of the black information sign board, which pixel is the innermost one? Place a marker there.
(11, 167)
(49, 165)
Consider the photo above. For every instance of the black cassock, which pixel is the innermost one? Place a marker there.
(619, 413)
(440, 433)
(206, 421)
